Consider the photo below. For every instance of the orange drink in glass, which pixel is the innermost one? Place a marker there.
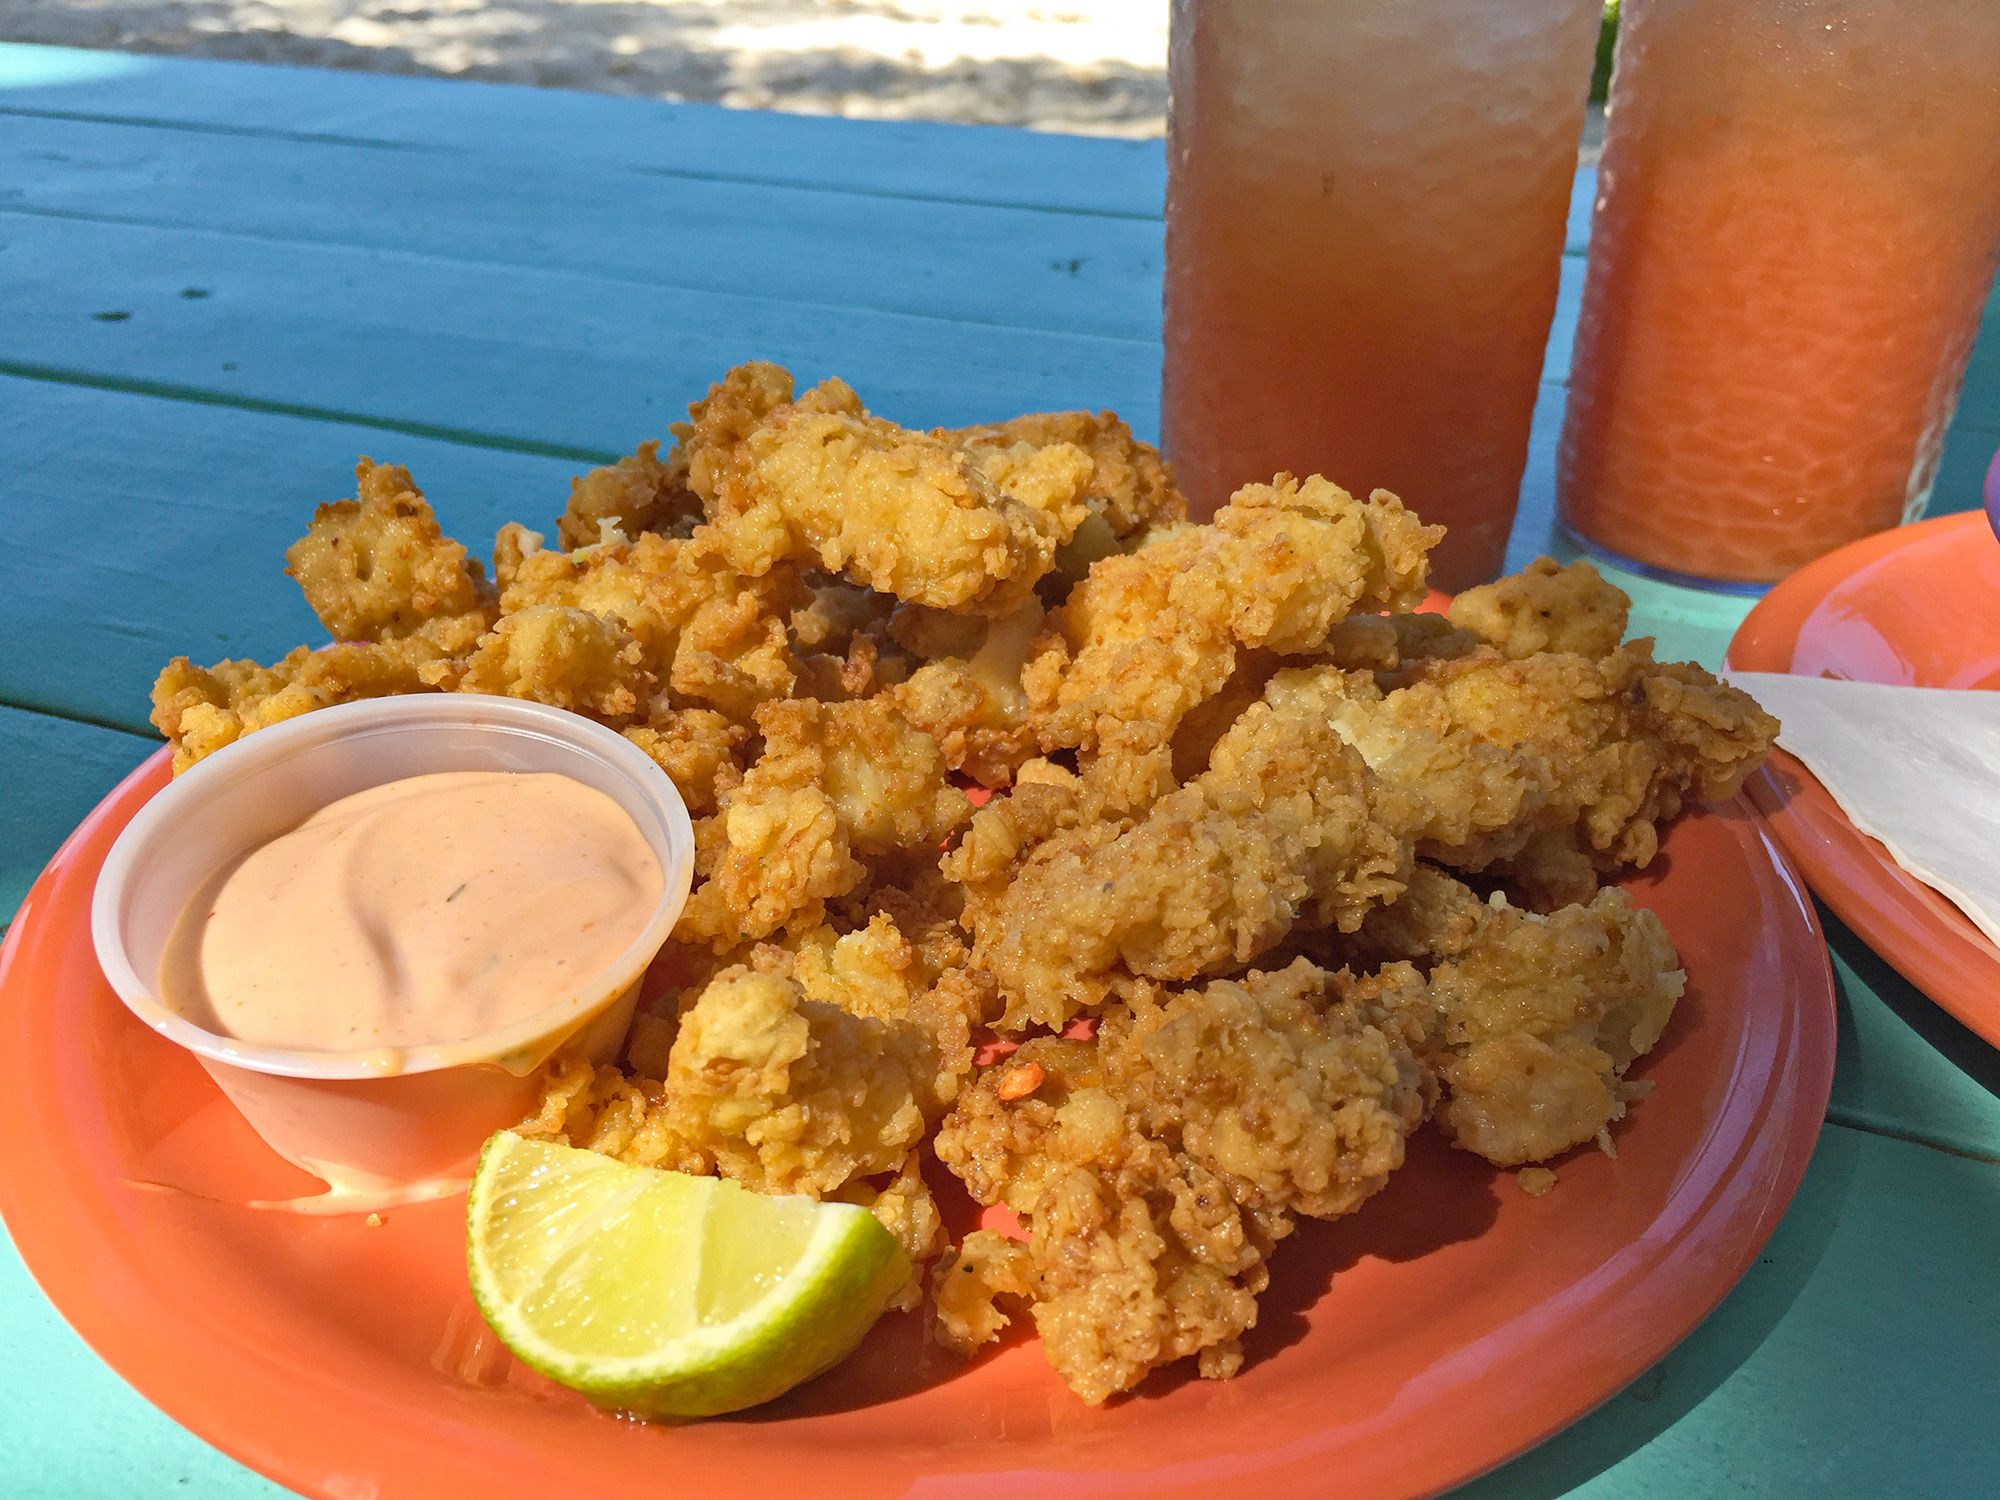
(1365, 214)
(1798, 224)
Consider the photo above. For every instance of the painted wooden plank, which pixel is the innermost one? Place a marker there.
(1968, 450)
(526, 356)
(523, 355)
(966, 263)
(974, 164)
(970, 263)
(1852, 1360)
(160, 530)
(75, 1431)
(1582, 203)
(977, 164)
(56, 770)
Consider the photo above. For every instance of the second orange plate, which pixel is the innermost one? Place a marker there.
(1918, 606)
(1451, 1323)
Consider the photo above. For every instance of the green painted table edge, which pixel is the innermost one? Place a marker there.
(1644, 1442)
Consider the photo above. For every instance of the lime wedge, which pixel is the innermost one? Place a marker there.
(663, 1294)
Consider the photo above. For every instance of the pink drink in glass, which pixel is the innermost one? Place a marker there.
(1799, 222)
(1365, 215)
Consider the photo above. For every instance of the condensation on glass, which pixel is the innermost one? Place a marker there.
(1365, 219)
(1797, 227)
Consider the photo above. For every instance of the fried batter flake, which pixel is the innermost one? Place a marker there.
(1156, 1167)
(819, 480)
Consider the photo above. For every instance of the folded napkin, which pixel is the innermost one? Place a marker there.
(1917, 768)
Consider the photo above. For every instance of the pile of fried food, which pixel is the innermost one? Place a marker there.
(1267, 872)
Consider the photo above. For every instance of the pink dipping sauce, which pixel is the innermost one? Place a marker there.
(429, 910)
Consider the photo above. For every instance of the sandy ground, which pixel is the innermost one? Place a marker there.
(1092, 66)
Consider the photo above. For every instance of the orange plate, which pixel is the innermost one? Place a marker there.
(1918, 606)
(1449, 1325)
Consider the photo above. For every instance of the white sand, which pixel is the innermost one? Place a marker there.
(1093, 66)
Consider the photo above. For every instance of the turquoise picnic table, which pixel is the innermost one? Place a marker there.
(221, 282)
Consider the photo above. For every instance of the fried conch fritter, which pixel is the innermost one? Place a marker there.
(1156, 880)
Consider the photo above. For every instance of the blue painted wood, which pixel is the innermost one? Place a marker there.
(946, 163)
(55, 772)
(173, 522)
(1854, 1360)
(517, 355)
(953, 163)
(968, 263)
(75, 1431)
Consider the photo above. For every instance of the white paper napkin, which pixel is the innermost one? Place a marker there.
(1917, 768)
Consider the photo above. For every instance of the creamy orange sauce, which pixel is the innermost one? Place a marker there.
(428, 910)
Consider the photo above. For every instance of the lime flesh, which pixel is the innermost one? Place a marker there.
(663, 1294)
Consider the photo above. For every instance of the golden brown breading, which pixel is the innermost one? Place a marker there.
(699, 748)
(879, 973)
(1533, 1019)
(1281, 830)
(976, 708)
(377, 567)
(641, 492)
(706, 632)
(202, 709)
(790, 1095)
(1550, 768)
(819, 481)
(1466, 800)
(1130, 489)
(834, 780)
(398, 596)
(1546, 607)
(601, 1109)
(972, 1282)
(1149, 635)
(1437, 916)
(1541, 1016)
(569, 658)
(1140, 1256)
(1155, 1167)
(908, 1211)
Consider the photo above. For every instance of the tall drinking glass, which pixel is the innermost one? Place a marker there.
(1365, 211)
(1799, 221)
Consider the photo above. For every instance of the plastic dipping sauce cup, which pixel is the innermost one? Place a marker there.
(381, 1126)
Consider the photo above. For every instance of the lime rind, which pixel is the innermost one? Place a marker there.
(819, 1310)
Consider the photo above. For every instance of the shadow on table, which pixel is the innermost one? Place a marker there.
(1708, 1357)
(1964, 1049)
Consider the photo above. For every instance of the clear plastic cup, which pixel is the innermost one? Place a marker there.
(378, 1126)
